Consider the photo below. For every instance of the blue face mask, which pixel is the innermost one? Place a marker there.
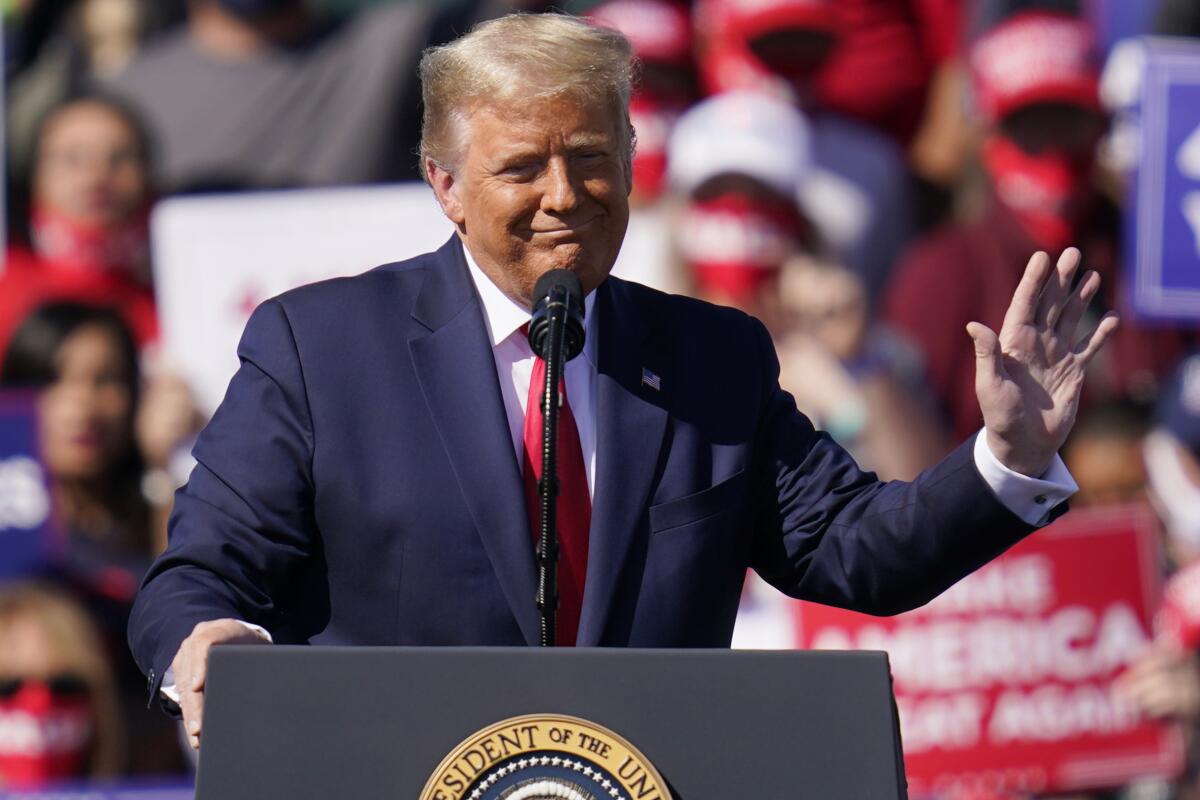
(255, 8)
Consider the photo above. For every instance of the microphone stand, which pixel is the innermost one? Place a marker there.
(547, 550)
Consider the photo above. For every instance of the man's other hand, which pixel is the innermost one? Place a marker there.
(191, 666)
(1028, 378)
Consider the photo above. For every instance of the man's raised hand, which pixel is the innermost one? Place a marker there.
(1028, 379)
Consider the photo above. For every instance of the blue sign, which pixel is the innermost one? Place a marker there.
(1164, 212)
(25, 538)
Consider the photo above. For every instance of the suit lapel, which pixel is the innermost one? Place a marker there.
(631, 417)
(457, 373)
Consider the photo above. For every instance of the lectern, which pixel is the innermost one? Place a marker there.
(289, 723)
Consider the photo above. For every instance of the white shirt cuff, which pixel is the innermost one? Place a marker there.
(1031, 499)
(168, 687)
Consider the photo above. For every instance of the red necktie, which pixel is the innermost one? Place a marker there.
(574, 507)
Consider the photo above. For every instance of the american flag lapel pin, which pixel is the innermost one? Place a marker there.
(651, 380)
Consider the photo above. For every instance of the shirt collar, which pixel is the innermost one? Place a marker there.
(504, 317)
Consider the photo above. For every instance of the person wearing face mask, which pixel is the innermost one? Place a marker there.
(101, 435)
(88, 238)
(1036, 87)
(59, 718)
(737, 160)
(856, 188)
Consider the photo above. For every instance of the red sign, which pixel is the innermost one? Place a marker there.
(1004, 682)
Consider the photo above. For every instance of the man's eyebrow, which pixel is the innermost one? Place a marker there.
(583, 140)
(516, 153)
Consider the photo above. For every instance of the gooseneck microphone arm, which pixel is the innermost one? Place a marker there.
(556, 335)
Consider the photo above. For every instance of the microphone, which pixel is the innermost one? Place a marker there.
(556, 336)
(557, 296)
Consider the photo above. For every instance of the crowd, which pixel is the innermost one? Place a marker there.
(865, 176)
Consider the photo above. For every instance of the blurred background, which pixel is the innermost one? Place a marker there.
(865, 176)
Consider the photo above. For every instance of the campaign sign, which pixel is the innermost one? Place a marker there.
(1004, 682)
(1165, 205)
(24, 496)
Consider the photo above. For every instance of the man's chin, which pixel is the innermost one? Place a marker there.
(586, 267)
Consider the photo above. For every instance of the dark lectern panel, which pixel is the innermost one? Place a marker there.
(365, 723)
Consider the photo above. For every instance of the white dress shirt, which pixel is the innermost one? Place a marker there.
(503, 319)
(1031, 499)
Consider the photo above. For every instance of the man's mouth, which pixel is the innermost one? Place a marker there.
(565, 231)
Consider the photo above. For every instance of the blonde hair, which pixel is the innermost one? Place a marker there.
(518, 58)
(76, 643)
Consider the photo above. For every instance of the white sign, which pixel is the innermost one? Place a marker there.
(216, 257)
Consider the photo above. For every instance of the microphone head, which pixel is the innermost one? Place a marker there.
(568, 280)
(560, 293)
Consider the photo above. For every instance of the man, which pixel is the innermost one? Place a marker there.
(359, 485)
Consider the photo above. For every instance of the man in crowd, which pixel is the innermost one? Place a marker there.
(264, 93)
(1036, 85)
(365, 480)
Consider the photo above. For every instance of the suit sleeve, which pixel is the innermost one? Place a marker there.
(243, 523)
(831, 533)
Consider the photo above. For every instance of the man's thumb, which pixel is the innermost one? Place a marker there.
(987, 350)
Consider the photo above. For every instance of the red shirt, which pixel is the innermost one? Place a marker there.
(969, 272)
(28, 282)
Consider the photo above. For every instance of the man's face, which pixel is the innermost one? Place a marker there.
(541, 186)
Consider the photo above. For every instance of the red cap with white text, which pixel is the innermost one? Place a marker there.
(1035, 57)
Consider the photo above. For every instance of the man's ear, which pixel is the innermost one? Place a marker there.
(445, 189)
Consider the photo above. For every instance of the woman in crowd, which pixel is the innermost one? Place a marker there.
(106, 439)
(58, 707)
(83, 361)
(86, 236)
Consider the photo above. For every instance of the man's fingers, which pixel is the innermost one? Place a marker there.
(987, 352)
(1024, 304)
(1091, 344)
(1058, 288)
(192, 705)
(1077, 303)
(199, 668)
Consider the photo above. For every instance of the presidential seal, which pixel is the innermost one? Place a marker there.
(545, 757)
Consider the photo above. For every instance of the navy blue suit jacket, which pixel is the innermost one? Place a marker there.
(358, 484)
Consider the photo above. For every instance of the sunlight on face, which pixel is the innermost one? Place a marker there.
(540, 187)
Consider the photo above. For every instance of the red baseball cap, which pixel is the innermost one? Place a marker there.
(659, 30)
(1035, 57)
(747, 19)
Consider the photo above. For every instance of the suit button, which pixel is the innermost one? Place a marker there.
(1040, 499)
(150, 680)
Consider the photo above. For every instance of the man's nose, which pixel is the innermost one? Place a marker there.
(560, 194)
